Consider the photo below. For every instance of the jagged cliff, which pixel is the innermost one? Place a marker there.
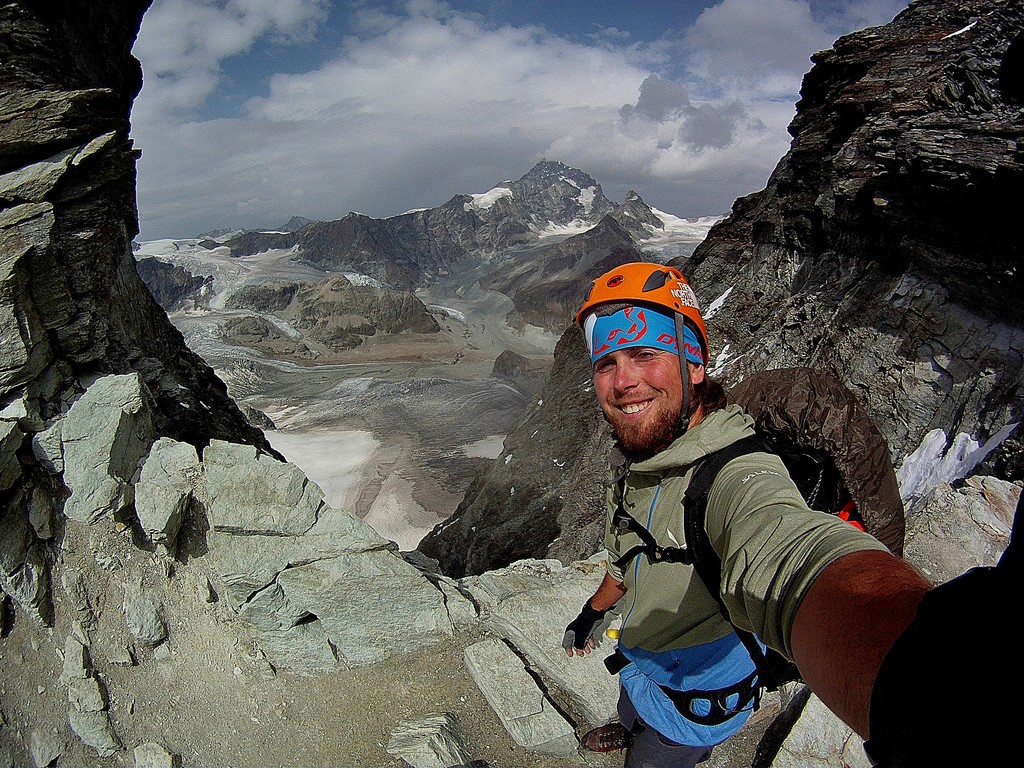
(73, 305)
(885, 249)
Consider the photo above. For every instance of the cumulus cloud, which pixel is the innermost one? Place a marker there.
(183, 42)
(659, 99)
(422, 102)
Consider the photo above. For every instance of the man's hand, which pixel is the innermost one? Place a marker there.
(578, 636)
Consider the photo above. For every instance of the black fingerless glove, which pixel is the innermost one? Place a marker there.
(581, 628)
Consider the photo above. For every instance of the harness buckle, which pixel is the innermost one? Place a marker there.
(669, 554)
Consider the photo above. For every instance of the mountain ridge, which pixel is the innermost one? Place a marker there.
(417, 247)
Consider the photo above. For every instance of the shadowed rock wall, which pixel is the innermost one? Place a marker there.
(71, 302)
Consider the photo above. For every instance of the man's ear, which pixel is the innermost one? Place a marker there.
(696, 373)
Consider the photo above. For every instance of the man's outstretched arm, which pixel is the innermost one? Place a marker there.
(846, 624)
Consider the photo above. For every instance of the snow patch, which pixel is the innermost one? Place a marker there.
(587, 197)
(229, 273)
(677, 236)
(717, 304)
(724, 359)
(960, 31)
(933, 463)
(357, 278)
(487, 199)
(489, 447)
(569, 229)
(454, 314)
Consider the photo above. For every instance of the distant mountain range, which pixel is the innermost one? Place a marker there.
(537, 240)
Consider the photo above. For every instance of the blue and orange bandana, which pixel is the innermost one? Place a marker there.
(637, 327)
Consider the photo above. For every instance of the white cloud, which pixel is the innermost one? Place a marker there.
(183, 42)
(428, 102)
(754, 49)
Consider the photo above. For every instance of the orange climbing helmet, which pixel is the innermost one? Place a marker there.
(645, 283)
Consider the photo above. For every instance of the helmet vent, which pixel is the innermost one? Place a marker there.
(656, 280)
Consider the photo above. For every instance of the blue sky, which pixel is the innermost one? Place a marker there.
(253, 111)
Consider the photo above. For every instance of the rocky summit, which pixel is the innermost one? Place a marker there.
(173, 593)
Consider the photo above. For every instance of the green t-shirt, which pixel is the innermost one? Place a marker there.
(771, 544)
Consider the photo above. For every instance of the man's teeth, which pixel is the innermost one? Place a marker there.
(635, 407)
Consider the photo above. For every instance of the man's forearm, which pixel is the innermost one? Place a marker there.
(608, 593)
(848, 621)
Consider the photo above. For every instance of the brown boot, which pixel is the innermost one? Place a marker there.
(607, 738)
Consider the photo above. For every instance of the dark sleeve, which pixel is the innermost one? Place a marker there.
(949, 690)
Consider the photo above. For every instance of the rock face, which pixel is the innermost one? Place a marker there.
(543, 496)
(171, 285)
(324, 316)
(72, 304)
(885, 247)
(883, 250)
(548, 288)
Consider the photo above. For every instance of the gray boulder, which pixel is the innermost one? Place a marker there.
(153, 755)
(45, 748)
(527, 714)
(105, 434)
(529, 604)
(820, 740)
(325, 590)
(144, 615)
(24, 571)
(10, 441)
(46, 447)
(247, 493)
(88, 706)
(165, 489)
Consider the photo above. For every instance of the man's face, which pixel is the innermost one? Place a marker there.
(640, 391)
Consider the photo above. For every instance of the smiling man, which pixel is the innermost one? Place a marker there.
(687, 680)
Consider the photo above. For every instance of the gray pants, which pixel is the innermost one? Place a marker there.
(652, 750)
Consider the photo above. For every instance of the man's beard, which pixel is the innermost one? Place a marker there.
(649, 437)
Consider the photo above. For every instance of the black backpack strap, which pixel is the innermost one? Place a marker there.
(623, 521)
(650, 547)
(746, 693)
(774, 669)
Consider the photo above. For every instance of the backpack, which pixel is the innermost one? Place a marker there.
(837, 458)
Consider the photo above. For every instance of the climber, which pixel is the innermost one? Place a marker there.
(799, 579)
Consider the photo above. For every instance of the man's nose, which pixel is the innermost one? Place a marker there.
(626, 374)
